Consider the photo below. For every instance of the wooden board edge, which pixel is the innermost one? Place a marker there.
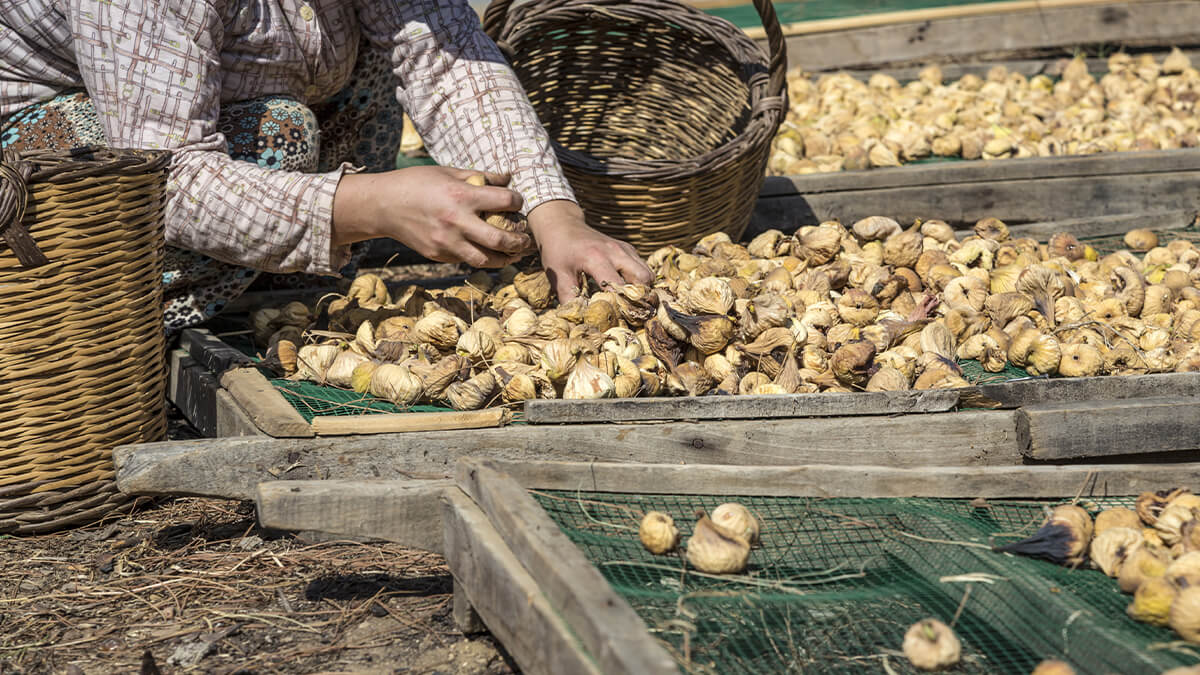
(980, 173)
(993, 482)
(1108, 225)
(1133, 24)
(210, 351)
(388, 423)
(195, 392)
(926, 14)
(466, 619)
(607, 626)
(1099, 428)
(1027, 392)
(406, 512)
(559, 411)
(264, 404)
(505, 595)
(232, 420)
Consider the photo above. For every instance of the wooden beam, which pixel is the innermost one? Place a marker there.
(269, 410)
(232, 468)
(1129, 24)
(1103, 428)
(210, 409)
(559, 411)
(1107, 226)
(192, 389)
(993, 482)
(924, 14)
(1013, 201)
(506, 596)
(407, 512)
(466, 619)
(1049, 61)
(1151, 163)
(208, 350)
(1026, 392)
(385, 423)
(609, 629)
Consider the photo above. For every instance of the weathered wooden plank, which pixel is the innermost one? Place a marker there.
(403, 511)
(466, 619)
(208, 350)
(192, 389)
(558, 411)
(609, 629)
(206, 406)
(233, 467)
(506, 596)
(926, 14)
(232, 421)
(1025, 392)
(1102, 428)
(1129, 24)
(1049, 61)
(1013, 201)
(1109, 225)
(787, 216)
(384, 423)
(264, 404)
(993, 482)
(1150, 162)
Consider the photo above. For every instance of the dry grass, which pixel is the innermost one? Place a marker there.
(193, 585)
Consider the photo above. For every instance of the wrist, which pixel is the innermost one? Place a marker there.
(555, 214)
(354, 205)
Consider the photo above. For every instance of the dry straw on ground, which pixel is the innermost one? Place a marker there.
(193, 585)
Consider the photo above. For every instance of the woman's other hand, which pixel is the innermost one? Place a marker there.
(432, 210)
(569, 247)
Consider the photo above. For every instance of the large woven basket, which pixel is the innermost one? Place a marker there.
(82, 361)
(662, 116)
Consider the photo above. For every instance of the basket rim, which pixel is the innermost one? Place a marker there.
(766, 110)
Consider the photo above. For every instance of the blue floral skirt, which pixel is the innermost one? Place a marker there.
(361, 124)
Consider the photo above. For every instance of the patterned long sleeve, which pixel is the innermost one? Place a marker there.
(462, 96)
(159, 70)
(153, 69)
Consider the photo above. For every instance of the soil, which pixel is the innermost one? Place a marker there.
(192, 585)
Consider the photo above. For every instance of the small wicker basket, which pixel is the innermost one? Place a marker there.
(82, 359)
(662, 116)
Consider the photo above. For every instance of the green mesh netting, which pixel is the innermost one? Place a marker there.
(837, 582)
(311, 399)
(974, 372)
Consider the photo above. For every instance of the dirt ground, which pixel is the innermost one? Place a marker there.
(192, 585)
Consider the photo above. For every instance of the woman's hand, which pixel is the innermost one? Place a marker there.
(432, 210)
(569, 247)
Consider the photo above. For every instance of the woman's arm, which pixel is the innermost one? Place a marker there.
(152, 69)
(472, 112)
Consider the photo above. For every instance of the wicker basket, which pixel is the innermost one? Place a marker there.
(661, 115)
(81, 330)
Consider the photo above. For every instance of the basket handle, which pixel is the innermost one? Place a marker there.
(776, 50)
(496, 14)
(494, 17)
(14, 197)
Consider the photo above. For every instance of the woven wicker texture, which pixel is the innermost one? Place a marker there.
(661, 115)
(81, 338)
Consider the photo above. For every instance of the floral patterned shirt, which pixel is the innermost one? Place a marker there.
(158, 71)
